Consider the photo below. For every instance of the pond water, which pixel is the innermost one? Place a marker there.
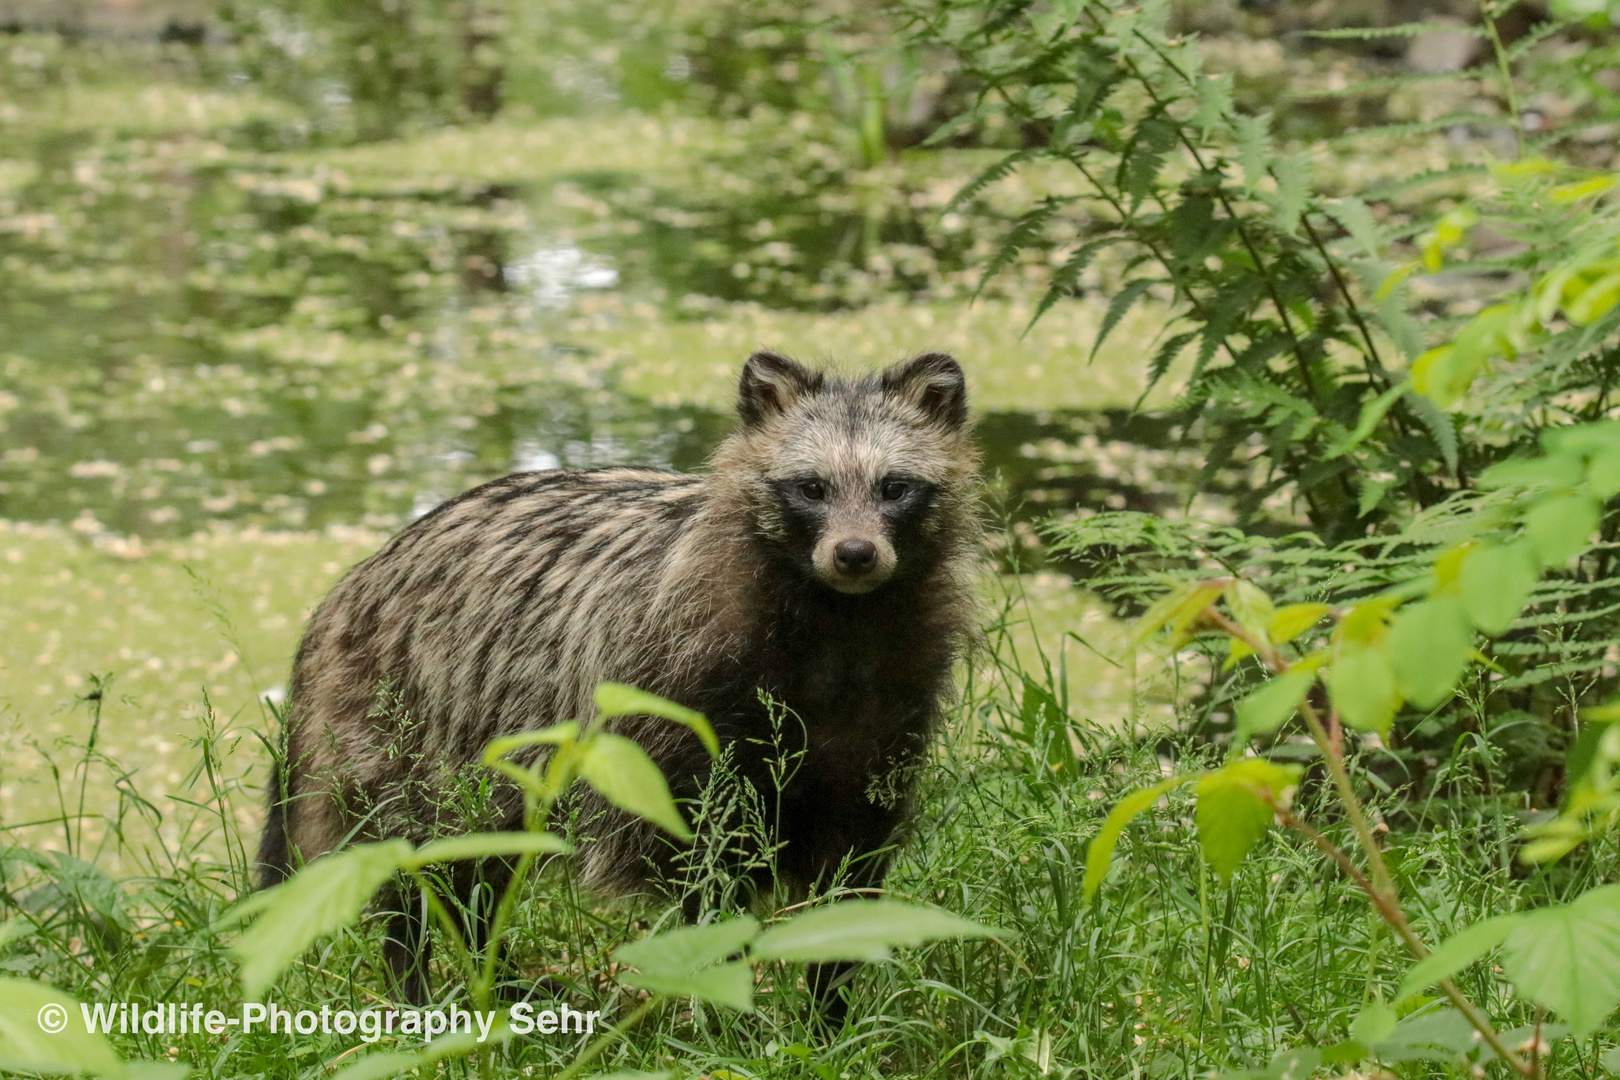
(187, 341)
(227, 372)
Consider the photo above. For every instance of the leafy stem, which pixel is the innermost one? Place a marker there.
(1380, 886)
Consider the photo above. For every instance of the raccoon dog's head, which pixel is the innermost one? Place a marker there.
(856, 481)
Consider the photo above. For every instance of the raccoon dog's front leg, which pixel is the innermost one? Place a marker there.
(473, 890)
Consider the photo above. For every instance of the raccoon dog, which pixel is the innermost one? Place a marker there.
(825, 561)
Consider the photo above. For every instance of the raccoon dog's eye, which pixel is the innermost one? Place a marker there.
(813, 490)
(895, 490)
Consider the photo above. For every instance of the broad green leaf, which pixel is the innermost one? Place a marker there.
(485, 845)
(1176, 610)
(1235, 807)
(731, 985)
(1251, 608)
(616, 699)
(1567, 957)
(1455, 953)
(397, 1063)
(327, 895)
(556, 734)
(1269, 707)
(1550, 470)
(1373, 1024)
(1287, 623)
(1496, 581)
(1438, 1035)
(1429, 646)
(1603, 472)
(625, 776)
(861, 930)
(1368, 621)
(26, 1009)
(1595, 301)
(1101, 851)
(1362, 684)
(1559, 526)
(689, 947)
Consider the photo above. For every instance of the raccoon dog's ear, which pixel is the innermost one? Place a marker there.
(770, 384)
(934, 383)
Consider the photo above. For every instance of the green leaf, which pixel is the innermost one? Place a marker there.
(1455, 953)
(555, 735)
(327, 895)
(1101, 851)
(616, 699)
(861, 930)
(1568, 957)
(731, 985)
(625, 776)
(1496, 581)
(1429, 646)
(1269, 707)
(689, 947)
(1373, 1024)
(25, 1046)
(1175, 610)
(1236, 806)
(1363, 687)
(1291, 621)
(1595, 301)
(485, 845)
(1560, 526)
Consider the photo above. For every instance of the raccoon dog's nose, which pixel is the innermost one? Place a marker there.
(855, 557)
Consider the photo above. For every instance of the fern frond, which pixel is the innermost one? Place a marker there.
(1025, 230)
(1382, 86)
(1067, 277)
(1404, 30)
(1001, 169)
(1421, 127)
(1122, 302)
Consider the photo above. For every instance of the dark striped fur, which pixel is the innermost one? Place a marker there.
(826, 558)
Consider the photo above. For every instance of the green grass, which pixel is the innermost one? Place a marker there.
(1169, 974)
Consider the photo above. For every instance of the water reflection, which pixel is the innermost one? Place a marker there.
(189, 336)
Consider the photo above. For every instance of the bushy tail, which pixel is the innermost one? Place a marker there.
(275, 857)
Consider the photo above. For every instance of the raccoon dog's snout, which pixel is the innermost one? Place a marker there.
(855, 557)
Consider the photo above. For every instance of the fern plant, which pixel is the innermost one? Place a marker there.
(1282, 299)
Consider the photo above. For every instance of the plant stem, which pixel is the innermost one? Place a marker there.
(1380, 888)
(1506, 71)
